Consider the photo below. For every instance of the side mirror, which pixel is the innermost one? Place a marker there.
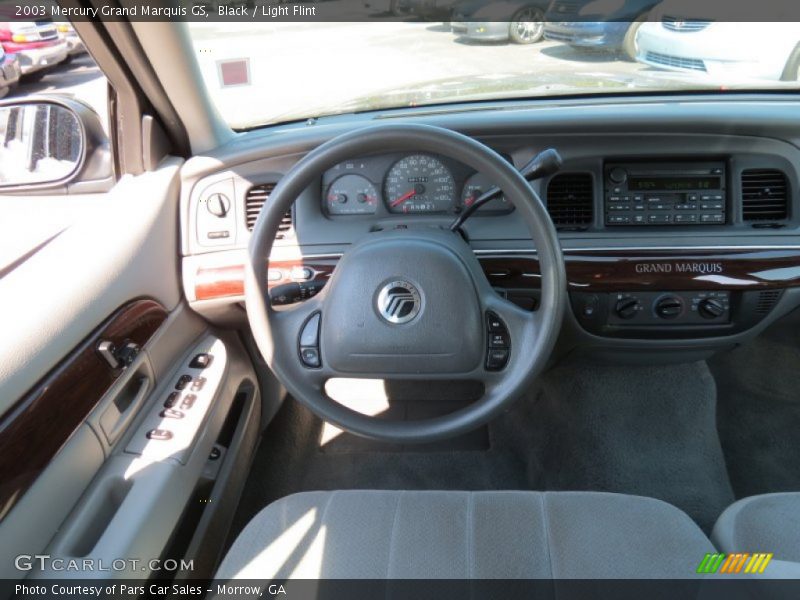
(52, 145)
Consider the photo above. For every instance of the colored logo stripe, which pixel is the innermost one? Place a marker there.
(739, 562)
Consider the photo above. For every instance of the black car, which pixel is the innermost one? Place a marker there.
(521, 21)
(589, 24)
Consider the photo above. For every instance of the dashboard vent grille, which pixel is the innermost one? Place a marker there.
(767, 301)
(765, 195)
(254, 202)
(570, 200)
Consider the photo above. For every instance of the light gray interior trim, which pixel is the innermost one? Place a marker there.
(134, 503)
(28, 528)
(368, 534)
(169, 50)
(123, 249)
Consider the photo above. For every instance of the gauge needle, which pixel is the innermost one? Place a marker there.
(402, 198)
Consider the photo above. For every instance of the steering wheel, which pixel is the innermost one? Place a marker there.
(407, 303)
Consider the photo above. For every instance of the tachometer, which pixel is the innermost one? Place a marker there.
(477, 185)
(419, 184)
(351, 195)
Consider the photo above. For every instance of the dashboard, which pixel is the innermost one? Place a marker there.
(679, 221)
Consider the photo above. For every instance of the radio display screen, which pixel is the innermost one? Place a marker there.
(643, 184)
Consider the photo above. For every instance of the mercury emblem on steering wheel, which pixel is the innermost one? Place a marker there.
(398, 302)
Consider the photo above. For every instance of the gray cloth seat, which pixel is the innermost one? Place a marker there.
(455, 535)
(767, 523)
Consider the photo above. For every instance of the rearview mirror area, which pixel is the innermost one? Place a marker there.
(48, 143)
(41, 143)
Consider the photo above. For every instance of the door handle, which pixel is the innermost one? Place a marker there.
(120, 411)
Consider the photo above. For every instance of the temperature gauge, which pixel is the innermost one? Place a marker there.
(351, 195)
(477, 185)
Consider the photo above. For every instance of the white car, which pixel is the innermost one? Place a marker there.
(730, 51)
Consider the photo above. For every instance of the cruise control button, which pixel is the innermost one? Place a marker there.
(201, 361)
(310, 357)
(159, 434)
(309, 337)
(495, 324)
(496, 359)
(498, 340)
(172, 399)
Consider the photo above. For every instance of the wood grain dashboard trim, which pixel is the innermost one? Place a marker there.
(587, 271)
(38, 426)
(228, 281)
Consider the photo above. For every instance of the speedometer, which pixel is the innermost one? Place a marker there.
(419, 183)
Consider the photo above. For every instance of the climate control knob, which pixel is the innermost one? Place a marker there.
(669, 307)
(626, 308)
(711, 308)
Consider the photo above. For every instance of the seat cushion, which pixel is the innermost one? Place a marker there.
(767, 523)
(456, 535)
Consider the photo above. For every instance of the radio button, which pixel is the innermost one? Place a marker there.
(618, 219)
(712, 218)
(659, 218)
(685, 219)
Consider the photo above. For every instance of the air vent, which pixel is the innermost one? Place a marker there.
(765, 195)
(570, 200)
(254, 202)
(767, 301)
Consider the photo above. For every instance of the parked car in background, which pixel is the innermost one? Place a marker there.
(9, 72)
(38, 46)
(398, 8)
(74, 43)
(716, 49)
(430, 9)
(608, 25)
(521, 21)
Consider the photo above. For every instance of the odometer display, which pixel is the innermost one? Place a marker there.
(419, 183)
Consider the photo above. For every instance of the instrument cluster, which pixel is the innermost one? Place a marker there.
(405, 184)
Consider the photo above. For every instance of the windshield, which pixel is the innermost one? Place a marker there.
(262, 73)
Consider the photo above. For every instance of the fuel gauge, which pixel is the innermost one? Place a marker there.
(351, 195)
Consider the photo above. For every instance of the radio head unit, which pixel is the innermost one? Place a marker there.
(664, 193)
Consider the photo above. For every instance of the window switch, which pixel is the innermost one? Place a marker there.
(172, 399)
(171, 413)
(201, 361)
(159, 434)
(188, 401)
(183, 381)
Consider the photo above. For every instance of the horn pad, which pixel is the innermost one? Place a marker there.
(403, 304)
